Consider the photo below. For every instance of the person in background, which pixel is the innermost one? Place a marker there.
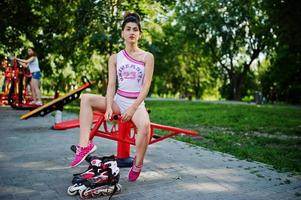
(32, 63)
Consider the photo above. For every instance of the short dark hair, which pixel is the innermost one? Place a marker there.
(131, 17)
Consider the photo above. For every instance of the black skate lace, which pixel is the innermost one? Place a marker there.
(114, 191)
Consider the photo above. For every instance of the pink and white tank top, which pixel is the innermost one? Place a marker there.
(130, 74)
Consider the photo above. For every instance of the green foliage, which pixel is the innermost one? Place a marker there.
(232, 33)
(283, 79)
(202, 48)
(16, 19)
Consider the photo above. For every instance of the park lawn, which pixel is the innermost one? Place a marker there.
(266, 133)
(267, 119)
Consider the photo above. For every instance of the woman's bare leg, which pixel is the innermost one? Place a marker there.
(36, 84)
(33, 92)
(90, 102)
(142, 123)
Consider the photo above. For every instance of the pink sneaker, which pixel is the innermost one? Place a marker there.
(32, 102)
(82, 153)
(134, 171)
(38, 103)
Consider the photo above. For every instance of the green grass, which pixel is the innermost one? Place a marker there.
(265, 119)
(268, 133)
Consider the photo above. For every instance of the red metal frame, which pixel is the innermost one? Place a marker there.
(15, 90)
(123, 132)
(73, 123)
(7, 73)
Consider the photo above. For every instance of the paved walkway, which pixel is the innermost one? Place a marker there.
(34, 165)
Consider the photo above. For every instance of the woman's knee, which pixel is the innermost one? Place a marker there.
(92, 100)
(144, 127)
(85, 99)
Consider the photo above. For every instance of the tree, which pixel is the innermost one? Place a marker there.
(16, 21)
(233, 33)
(72, 38)
(181, 64)
(283, 79)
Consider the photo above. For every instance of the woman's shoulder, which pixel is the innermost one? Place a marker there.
(32, 59)
(148, 56)
(113, 57)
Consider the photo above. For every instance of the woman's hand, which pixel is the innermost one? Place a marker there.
(128, 114)
(108, 114)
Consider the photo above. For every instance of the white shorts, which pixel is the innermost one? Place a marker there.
(124, 103)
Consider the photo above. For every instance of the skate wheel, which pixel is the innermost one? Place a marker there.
(71, 191)
(101, 191)
(82, 194)
(119, 187)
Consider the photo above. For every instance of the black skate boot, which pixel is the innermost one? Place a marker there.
(96, 167)
(104, 184)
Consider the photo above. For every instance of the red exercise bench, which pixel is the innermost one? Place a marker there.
(124, 133)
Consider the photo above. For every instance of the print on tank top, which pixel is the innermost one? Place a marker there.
(130, 74)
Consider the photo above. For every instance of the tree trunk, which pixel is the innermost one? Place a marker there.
(237, 86)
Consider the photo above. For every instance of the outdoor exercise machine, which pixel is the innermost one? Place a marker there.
(58, 103)
(124, 133)
(16, 80)
(5, 78)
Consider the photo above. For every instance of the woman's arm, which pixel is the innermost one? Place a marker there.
(148, 75)
(111, 84)
(24, 64)
(26, 61)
